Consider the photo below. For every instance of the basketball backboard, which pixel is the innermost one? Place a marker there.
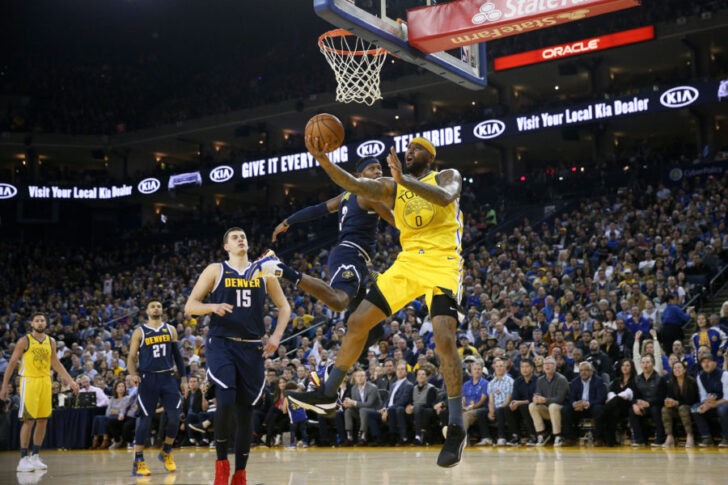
(376, 22)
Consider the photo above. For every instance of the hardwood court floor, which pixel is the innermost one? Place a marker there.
(392, 466)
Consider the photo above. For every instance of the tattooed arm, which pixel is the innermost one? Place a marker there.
(447, 189)
(381, 189)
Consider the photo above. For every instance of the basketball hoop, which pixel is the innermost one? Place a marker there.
(357, 67)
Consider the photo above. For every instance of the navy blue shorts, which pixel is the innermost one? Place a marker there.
(236, 365)
(348, 270)
(156, 387)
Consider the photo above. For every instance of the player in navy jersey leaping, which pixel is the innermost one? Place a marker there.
(347, 265)
(156, 344)
(234, 347)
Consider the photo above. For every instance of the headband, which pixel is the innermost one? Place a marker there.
(426, 144)
(364, 163)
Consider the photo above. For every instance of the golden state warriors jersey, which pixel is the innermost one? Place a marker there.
(425, 226)
(37, 358)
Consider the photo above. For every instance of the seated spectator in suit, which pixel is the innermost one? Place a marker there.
(619, 400)
(587, 395)
(648, 401)
(475, 396)
(523, 389)
(713, 389)
(548, 399)
(393, 408)
(364, 396)
(500, 391)
(422, 409)
(681, 392)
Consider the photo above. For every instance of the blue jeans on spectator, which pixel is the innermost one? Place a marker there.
(704, 426)
(99, 425)
(301, 429)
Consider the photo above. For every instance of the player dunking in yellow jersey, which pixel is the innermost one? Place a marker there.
(427, 214)
(37, 353)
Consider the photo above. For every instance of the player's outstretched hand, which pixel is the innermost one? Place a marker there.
(282, 227)
(318, 149)
(74, 387)
(222, 308)
(395, 166)
(271, 345)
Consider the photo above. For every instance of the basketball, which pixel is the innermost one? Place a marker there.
(328, 129)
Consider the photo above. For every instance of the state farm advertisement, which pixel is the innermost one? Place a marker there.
(575, 48)
(465, 22)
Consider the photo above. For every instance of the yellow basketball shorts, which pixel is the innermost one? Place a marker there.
(35, 398)
(414, 274)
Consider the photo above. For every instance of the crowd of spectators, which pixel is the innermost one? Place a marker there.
(122, 85)
(560, 319)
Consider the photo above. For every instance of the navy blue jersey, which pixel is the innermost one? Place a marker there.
(247, 298)
(357, 225)
(155, 351)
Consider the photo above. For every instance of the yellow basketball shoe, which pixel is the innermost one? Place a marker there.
(168, 461)
(140, 469)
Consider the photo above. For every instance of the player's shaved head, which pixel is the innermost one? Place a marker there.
(227, 233)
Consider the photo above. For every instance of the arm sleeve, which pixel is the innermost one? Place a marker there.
(178, 360)
(308, 214)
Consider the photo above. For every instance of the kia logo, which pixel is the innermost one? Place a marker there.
(149, 186)
(371, 148)
(223, 173)
(7, 191)
(486, 130)
(679, 97)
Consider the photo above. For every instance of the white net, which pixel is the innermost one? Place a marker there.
(357, 64)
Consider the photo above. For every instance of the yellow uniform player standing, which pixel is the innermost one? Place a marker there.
(36, 352)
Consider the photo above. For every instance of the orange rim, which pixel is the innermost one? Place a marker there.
(341, 33)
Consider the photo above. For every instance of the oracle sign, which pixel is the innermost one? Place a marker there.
(574, 48)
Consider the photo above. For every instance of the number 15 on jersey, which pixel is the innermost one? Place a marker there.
(243, 298)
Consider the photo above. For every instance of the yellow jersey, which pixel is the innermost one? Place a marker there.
(37, 358)
(425, 226)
